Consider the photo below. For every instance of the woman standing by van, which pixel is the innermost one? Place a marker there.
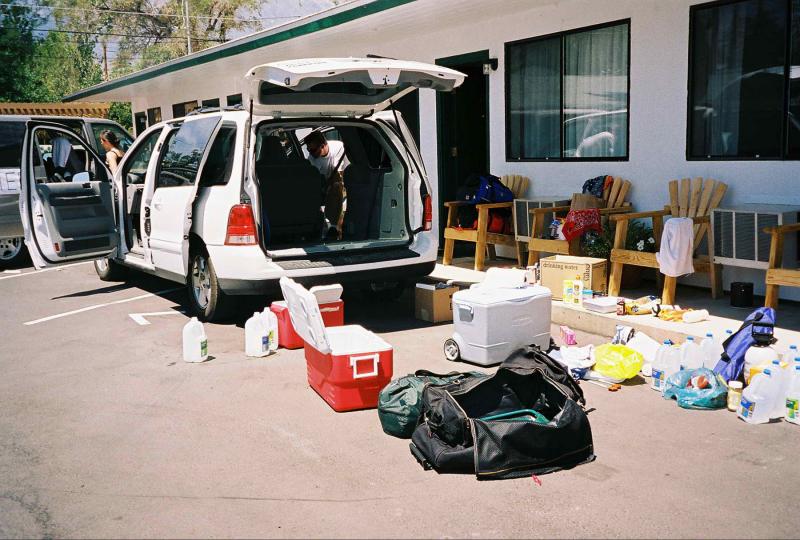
(110, 143)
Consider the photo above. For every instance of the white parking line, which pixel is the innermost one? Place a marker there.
(139, 318)
(96, 306)
(44, 270)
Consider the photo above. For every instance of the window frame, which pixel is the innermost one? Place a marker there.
(227, 125)
(174, 128)
(786, 97)
(132, 152)
(228, 100)
(507, 96)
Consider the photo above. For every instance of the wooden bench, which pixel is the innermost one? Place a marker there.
(777, 276)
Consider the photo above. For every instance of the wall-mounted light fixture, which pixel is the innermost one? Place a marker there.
(490, 66)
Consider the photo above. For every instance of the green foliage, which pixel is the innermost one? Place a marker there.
(120, 112)
(62, 64)
(639, 238)
(17, 49)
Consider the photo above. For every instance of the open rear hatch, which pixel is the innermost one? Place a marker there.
(340, 86)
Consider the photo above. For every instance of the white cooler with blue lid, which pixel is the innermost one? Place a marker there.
(492, 322)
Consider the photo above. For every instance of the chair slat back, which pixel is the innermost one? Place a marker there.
(516, 183)
(615, 194)
(696, 197)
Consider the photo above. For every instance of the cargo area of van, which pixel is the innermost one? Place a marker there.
(362, 204)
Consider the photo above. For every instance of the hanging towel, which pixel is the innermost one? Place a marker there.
(677, 245)
(581, 221)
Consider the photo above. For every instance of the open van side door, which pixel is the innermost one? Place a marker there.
(66, 198)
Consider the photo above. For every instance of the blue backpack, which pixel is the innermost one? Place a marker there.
(492, 190)
(731, 363)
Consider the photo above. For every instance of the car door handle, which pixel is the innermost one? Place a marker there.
(157, 205)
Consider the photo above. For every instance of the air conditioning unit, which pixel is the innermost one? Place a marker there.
(739, 237)
(523, 220)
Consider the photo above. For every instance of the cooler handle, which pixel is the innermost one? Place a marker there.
(465, 313)
(354, 360)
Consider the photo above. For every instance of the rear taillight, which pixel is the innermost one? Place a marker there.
(241, 226)
(427, 213)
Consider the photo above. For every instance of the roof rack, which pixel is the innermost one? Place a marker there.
(203, 110)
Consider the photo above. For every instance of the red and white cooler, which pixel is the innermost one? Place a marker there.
(347, 365)
(330, 305)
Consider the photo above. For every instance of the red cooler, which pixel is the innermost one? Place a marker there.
(347, 365)
(330, 305)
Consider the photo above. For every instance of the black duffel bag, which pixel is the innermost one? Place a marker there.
(527, 418)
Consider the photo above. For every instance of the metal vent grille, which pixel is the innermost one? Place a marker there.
(523, 220)
(745, 236)
(723, 234)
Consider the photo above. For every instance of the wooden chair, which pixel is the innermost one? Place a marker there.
(695, 199)
(483, 239)
(777, 276)
(613, 203)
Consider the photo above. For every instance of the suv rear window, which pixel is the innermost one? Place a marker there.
(11, 135)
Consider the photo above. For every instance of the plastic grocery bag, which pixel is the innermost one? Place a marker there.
(617, 361)
(697, 389)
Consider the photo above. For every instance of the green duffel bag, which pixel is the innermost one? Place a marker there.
(400, 401)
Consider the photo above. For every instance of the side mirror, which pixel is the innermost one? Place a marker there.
(81, 177)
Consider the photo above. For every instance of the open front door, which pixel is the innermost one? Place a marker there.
(66, 200)
(170, 209)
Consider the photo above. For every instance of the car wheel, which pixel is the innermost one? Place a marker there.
(207, 300)
(108, 270)
(451, 350)
(12, 251)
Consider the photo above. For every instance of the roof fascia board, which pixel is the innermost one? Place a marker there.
(240, 46)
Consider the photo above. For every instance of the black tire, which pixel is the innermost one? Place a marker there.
(206, 299)
(12, 252)
(108, 270)
(451, 350)
(383, 291)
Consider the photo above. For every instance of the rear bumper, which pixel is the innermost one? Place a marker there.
(407, 272)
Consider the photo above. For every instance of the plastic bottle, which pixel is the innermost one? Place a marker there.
(758, 399)
(256, 336)
(757, 355)
(195, 342)
(790, 354)
(780, 372)
(792, 410)
(734, 395)
(691, 354)
(661, 366)
(577, 290)
(711, 351)
(567, 295)
(271, 321)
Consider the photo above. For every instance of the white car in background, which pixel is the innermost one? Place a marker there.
(12, 132)
(226, 202)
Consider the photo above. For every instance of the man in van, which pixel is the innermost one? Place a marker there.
(330, 160)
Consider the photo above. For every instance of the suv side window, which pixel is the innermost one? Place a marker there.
(217, 169)
(184, 151)
(124, 139)
(135, 167)
(11, 135)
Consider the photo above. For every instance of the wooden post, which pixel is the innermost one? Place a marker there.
(615, 278)
(449, 243)
(775, 261)
(480, 245)
(668, 294)
(536, 231)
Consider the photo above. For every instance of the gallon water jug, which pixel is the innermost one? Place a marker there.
(712, 350)
(271, 323)
(195, 342)
(256, 336)
(792, 413)
(790, 354)
(691, 355)
(758, 399)
(758, 355)
(781, 373)
(661, 366)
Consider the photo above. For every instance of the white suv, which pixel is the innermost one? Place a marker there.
(227, 201)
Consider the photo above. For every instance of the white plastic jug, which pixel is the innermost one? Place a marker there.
(259, 335)
(195, 342)
(780, 372)
(790, 354)
(758, 399)
(712, 350)
(271, 322)
(792, 411)
(758, 355)
(661, 366)
(691, 354)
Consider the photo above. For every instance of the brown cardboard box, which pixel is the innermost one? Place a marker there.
(432, 304)
(556, 269)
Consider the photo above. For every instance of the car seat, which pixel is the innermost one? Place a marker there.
(291, 194)
(364, 186)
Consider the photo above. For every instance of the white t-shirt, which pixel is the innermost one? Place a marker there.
(326, 164)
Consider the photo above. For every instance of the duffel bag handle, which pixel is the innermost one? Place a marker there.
(354, 360)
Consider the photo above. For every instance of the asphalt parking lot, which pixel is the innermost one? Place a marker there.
(106, 432)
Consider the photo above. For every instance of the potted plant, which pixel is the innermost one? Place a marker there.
(639, 238)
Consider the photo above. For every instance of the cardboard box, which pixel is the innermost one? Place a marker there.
(555, 269)
(432, 304)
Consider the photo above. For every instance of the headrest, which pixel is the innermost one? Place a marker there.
(271, 151)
